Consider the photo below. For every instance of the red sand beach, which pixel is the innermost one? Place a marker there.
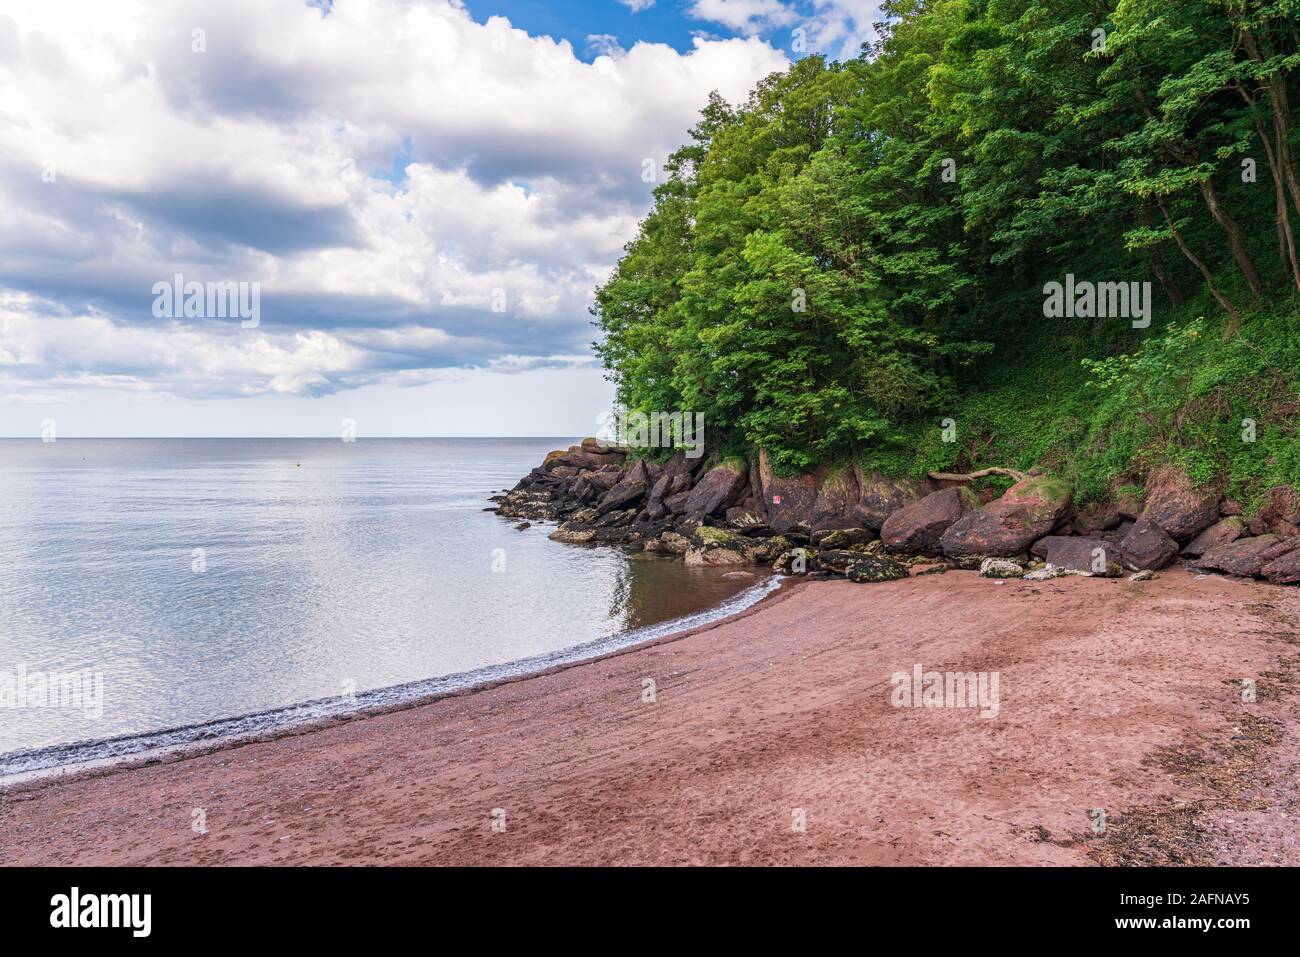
(1118, 696)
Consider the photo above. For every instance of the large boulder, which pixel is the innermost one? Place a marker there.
(1178, 506)
(835, 500)
(842, 537)
(621, 496)
(1245, 557)
(573, 533)
(640, 472)
(1283, 568)
(917, 527)
(1009, 525)
(1000, 568)
(1146, 546)
(582, 458)
(1280, 513)
(788, 499)
(717, 546)
(718, 489)
(675, 504)
(1098, 517)
(1086, 556)
(1222, 532)
(874, 568)
(1039, 548)
(880, 496)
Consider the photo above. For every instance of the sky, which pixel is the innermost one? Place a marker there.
(418, 197)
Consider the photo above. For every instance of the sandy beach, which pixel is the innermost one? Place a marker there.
(771, 739)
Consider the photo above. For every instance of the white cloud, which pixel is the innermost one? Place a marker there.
(415, 191)
(745, 16)
(636, 6)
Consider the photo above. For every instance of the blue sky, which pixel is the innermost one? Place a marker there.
(424, 194)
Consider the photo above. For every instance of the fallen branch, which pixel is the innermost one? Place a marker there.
(971, 476)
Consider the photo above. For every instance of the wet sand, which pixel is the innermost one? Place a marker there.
(1114, 696)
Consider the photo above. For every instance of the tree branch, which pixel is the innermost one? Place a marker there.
(971, 476)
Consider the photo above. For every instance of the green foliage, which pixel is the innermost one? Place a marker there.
(858, 252)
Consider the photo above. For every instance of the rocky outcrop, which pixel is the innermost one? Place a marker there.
(918, 527)
(1085, 556)
(874, 568)
(1000, 568)
(719, 488)
(880, 496)
(1285, 568)
(1222, 532)
(1176, 505)
(1147, 546)
(835, 501)
(1280, 514)
(826, 523)
(788, 499)
(623, 495)
(1009, 525)
(1245, 557)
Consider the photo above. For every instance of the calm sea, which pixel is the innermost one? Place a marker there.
(217, 586)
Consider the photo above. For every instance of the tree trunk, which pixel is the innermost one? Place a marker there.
(1158, 265)
(1219, 297)
(1285, 238)
(1236, 238)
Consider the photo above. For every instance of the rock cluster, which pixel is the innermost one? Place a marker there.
(866, 526)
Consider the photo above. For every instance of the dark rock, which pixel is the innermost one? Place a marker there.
(676, 503)
(573, 534)
(640, 472)
(875, 568)
(1283, 569)
(1178, 507)
(1089, 556)
(835, 501)
(1230, 506)
(880, 496)
(741, 519)
(1280, 513)
(582, 458)
(621, 496)
(523, 525)
(1147, 546)
(1000, 568)
(1008, 526)
(1097, 518)
(1040, 547)
(602, 480)
(839, 559)
(842, 537)
(1245, 557)
(789, 500)
(1222, 532)
(718, 489)
(918, 526)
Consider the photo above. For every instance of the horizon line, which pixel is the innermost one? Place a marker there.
(271, 438)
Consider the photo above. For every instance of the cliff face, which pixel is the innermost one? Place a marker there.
(867, 526)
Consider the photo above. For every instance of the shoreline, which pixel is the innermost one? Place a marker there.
(623, 643)
(1115, 695)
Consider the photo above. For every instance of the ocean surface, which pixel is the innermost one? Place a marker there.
(209, 587)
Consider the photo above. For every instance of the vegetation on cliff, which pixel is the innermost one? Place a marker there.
(851, 266)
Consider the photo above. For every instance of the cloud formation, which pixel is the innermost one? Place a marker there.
(416, 192)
